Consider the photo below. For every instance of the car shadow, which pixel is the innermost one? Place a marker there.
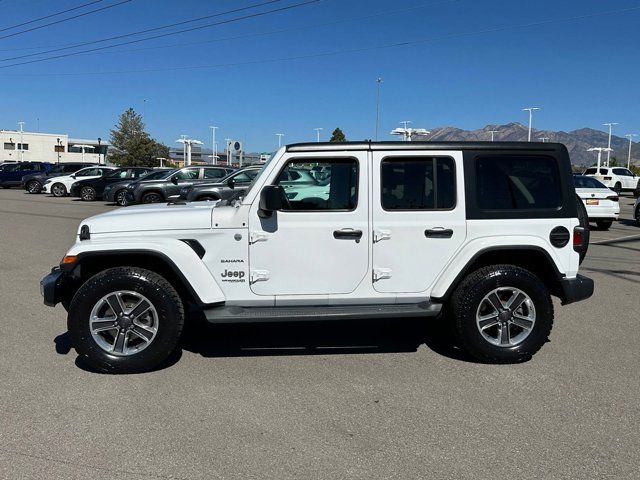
(628, 222)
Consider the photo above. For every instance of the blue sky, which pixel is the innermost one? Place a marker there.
(582, 72)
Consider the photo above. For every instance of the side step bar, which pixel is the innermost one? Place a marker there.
(234, 314)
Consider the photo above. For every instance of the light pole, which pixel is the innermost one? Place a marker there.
(318, 133)
(279, 135)
(630, 135)
(543, 139)
(610, 125)
(213, 144)
(492, 132)
(599, 150)
(99, 152)
(379, 82)
(59, 146)
(21, 142)
(229, 162)
(530, 110)
(188, 143)
(406, 123)
(184, 148)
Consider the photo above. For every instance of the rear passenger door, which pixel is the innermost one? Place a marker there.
(418, 217)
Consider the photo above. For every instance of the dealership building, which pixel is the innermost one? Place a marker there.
(50, 147)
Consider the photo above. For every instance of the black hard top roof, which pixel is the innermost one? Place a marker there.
(369, 145)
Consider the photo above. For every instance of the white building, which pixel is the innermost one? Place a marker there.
(49, 147)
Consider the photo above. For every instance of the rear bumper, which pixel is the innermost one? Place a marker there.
(576, 289)
(52, 287)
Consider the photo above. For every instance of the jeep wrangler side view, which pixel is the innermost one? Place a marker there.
(489, 230)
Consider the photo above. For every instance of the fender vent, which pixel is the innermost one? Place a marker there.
(559, 237)
(195, 245)
(85, 234)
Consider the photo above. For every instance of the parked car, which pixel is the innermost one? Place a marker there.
(618, 179)
(60, 186)
(11, 173)
(117, 192)
(92, 188)
(488, 232)
(159, 190)
(601, 202)
(231, 186)
(33, 183)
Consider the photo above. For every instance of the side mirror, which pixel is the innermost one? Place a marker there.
(231, 183)
(174, 179)
(272, 199)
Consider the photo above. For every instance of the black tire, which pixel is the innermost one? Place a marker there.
(604, 224)
(617, 188)
(637, 215)
(120, 197)
(5, 186)
(33, 187)
(58, 190)
(468, 297)
(88, 194)
(160, 294)
(151, 197)
(583, 219)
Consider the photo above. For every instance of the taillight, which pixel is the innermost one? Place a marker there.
(607, 178)
(613, 198)
(578, 238)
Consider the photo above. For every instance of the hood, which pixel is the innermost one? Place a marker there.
(153, 217)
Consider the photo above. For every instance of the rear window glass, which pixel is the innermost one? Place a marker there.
(518, 183)
(592, 171)
(587, 182)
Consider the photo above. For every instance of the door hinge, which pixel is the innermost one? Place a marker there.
(381, 273)
(255, 237)
(379, 235)
(259, 276)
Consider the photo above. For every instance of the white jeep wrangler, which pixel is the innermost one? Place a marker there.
(490, 230)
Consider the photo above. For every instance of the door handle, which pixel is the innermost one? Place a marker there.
(438, 232)
(348, 233)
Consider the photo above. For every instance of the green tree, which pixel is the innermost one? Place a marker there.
(132, 145)
(338, 136)
(613, 162)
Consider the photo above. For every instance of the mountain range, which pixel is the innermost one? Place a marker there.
(576, 141)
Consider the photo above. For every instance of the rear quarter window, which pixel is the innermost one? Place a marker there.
(518, 183)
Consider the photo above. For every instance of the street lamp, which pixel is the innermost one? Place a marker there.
(630, 135)
(408, 133)
(279, 135)
(543, 139)
(599, 150)
(188, 143)
(492, 132)
(21, 141)
(99, 151)
(213, 144)
(318, 133)
(530, 110)
(59, 147)
(610, 125)
(379, 82)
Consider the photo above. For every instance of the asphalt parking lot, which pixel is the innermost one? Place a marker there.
(352, 400)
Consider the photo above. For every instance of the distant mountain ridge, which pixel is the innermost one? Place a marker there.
(576, 141)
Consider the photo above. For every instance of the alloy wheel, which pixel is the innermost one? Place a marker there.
(58, 190)
(88, 194)
(506, 316)
(33, 187)
(123, 323)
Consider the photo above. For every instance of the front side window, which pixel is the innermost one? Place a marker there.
(139, 173)
(188, 174)
(518, 183)
(117, 174)
(214, 173)
(418, 183)
(338, 192)
(89, 172)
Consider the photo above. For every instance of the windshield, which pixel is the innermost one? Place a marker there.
(158, 175)
(255, 179)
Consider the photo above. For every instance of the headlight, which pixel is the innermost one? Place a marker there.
(131, 187)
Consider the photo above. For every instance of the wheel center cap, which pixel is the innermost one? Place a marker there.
(125, 322)
(504, 315)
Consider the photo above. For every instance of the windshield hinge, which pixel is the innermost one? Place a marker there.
(379, 235)
(381, 274)
(259, 276)
(258, 237)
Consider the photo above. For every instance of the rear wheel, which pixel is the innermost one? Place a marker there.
(617, 188)
(604, 224)
(503, 314)
(125, 320)
(34, 186)
(151, 197)
(120, 198)
(58, 190)
(88, 194)
(637, 215)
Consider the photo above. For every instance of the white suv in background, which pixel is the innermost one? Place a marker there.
(618, 179)
(60, 186)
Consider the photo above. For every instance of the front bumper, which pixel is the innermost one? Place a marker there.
(576, 289)
(52, 287)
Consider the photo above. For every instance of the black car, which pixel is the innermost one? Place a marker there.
(117, 192)
(231, 186)
(149, 190)
(11, 173)
(93, 188)
(32, 183)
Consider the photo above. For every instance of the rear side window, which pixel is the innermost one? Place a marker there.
(418, 183)
(214, 173)
(518, 183)
(593, 171)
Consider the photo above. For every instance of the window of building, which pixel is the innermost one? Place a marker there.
(518, 183)
(418, 183)
(9, 146)
(23, 146)
(339, 190)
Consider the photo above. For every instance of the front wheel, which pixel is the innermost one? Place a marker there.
(34, 186)
(121, 198)
(503, 314)
(58, 190)
(638, 215)
(604, 224)
(88, 194)
(152, 197)
(125, 320)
